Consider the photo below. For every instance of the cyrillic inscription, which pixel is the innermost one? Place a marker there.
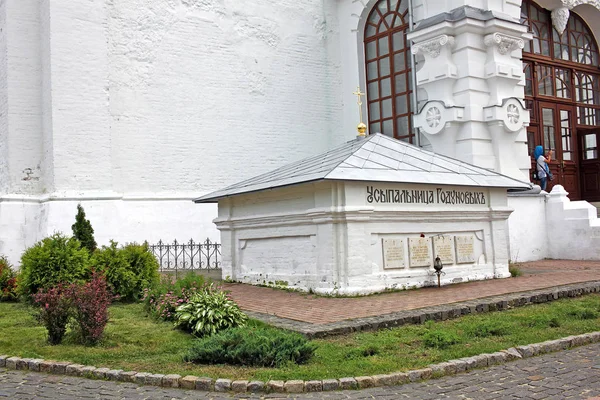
(419, 252)
(443, 247)
(465, 251)
(437, 196)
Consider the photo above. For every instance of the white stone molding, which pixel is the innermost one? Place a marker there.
(434, 116)
(560, 15)
(512, 114)
(505, 43)
(560, 18)
(433, 47)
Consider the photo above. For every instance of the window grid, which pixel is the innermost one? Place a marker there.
(388, 70)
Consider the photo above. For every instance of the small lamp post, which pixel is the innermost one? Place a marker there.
(437, 265)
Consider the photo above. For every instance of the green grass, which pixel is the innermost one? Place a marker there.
(136, 342)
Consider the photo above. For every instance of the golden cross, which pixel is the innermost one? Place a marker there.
(359, 94)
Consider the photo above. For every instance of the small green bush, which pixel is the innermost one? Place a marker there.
(83, 231)
(514, 270)
(208, 312)
(55, 259)
(542, 321)
(128, 270)
(583, 313)
(487, 329)
(8, 281)
(440, 339)
(161, 300)
(253, 346)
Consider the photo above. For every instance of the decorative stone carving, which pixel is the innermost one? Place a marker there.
(560, 18)
(433, 47)
(505, 43)
(433, 117)
(512, 114)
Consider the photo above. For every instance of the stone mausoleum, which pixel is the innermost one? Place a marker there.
(134, 108)
(370, 215)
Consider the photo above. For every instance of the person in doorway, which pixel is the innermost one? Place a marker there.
(541, 165)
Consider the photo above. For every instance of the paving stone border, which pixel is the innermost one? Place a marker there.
(451, 367)
(435, 313)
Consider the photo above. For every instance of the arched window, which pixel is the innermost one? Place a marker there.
(388, 70)
(562, 92)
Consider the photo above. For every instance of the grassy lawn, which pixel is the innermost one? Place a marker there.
(135, 342)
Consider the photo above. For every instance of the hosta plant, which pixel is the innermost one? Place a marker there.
(208, 312)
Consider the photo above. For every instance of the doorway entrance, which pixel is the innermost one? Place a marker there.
(590, 164)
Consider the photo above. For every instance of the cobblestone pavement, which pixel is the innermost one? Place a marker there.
(571, 374)
(323, 310)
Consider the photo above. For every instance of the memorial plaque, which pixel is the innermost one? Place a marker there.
(419, 252)
(465, 251)
(393, 253)
(443, 247)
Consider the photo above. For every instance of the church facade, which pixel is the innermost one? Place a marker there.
(133, 108)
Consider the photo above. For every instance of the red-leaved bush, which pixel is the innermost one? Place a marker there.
(55, 311)
(8, 281)
(90, 303)
(86, 304)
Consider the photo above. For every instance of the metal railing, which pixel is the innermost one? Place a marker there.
(188, 256)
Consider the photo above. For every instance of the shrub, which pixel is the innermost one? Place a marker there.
(128, 270)
(143, 264)
(490, 328)
(163, 298)
(440, 339)
(514, 270)
(55, 311)
(255, 346)
(90, 303)
(55, 259)
(8, 281)
(83, 231)
(208, 312)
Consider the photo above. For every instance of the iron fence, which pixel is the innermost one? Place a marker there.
(187, 256)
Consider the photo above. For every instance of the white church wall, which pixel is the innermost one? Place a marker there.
(124, 220)
(527, 227)
(22, 127)
(154, 100)
(4, 172)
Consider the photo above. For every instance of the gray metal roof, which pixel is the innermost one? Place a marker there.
(376, 158)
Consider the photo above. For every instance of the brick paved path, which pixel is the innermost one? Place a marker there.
(572, 374)
(322, 310)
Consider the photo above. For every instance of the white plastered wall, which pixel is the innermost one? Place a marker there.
(135, 108)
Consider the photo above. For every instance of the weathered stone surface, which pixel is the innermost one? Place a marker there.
(382, 380)
(11, 363)
(171, 380)
(140, 377)
(23, 364)
(460, 365)
(34, 364)
(497, 358)
(3, 361)
(128, 376)
(114, 374)
(313, 386)
(330, 384)
(188, 382)
(420, 374)
(88, 371)
(525, 351)
(348, 383)
(365, 382)
(294, 386)
(239, 386)
(60, 367)
(72, 370)
(399, 378)
(100, 373)
(155, 379)
(204, 383)
(222, 385)
(256, 386)
(512, 354)
(276, 386)
(46, 366)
